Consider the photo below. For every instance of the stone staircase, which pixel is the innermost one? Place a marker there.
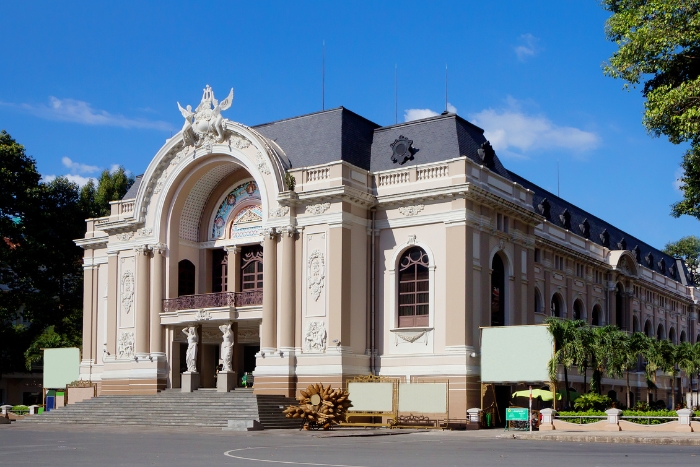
(202, 408)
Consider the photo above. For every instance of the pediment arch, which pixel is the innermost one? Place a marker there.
(624, 262)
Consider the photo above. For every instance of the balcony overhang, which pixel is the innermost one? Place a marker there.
(213, 308)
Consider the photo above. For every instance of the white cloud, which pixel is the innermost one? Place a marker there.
(528, 47)
(417, 114)
(78, 179)
(76, 111)
(77, 167)
(511, 128)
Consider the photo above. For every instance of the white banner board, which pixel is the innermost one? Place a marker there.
(513, 354)
(371, 397)
(61, 367)
(423, 397)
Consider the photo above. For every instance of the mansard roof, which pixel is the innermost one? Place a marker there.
(323, 137)
(561, 211)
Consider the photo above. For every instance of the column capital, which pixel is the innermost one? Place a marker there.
(142, 249)
(289, 231)
(270, 233)
(159, 248)
(232, 249)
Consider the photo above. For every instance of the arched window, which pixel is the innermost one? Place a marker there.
(683, 338)
(595, 316)
(672, 335)
(497, 292)
(251, 268)
(578, 310)
(648, 329)
(414, 292)
(185, 278)
(635, 324)
(538, 301)
(660, 332)
(557, 308)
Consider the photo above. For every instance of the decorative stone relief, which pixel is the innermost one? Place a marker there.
(317, 209)
(411, 240)
(262, 165)
(145, 232)
(127, 290)
(248, 216)
(252, 335)
(125, 236)
(238, 141)
(161, 182)
(205, 125)
(280, 211)
(125, 347)
(315, 336)
(202, 315)
(316, 273)
(409, 211)
(410, 337)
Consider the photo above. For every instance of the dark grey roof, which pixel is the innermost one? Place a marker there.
(133, 189)
(435, 139)
(323, 137)
(597, 226)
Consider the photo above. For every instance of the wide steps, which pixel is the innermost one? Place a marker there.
(174, 408)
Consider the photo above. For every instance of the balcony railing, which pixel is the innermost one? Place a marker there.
(213, 300)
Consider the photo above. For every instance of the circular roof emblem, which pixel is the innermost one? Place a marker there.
(401, 150)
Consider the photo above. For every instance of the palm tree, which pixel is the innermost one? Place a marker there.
(567, 353)
(584, 342)
(605, 354)
(688, 361)
(660, 356)
(633, 348)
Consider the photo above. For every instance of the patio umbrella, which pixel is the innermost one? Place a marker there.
(543, 394)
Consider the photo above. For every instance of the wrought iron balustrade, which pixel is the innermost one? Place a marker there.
(213, 300)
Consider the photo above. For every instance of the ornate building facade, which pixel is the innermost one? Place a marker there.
(336, 247)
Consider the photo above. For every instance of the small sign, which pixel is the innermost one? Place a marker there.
(519, 415)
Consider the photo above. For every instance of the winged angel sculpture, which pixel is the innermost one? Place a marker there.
(205, 124)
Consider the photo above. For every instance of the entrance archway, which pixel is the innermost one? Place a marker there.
(497, 291)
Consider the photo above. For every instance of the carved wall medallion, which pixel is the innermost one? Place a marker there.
(317, 209)
(280, 211)
(127, 290)
(316, 273)
(410, 337)
(239, 141)
(411, 210)
(144, 232)
(125, 348)
(315, 336)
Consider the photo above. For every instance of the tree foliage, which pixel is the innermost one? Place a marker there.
(688, 249)
(41, 273)
(659, 47)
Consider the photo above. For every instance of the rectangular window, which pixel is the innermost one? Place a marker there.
(559, 262)
(580, 270)
(598, 277)
(502, 223)
(538, 253)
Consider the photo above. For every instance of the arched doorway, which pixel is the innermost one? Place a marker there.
(660, 332)
(672, 335)
(557, 306)
(578, 310)
(635, 324)
(595, 316)
(186, 278)
(497, 291)
(538, 301)
(648, 329)
(683, 337)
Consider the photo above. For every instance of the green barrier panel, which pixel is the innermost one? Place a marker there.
(517, 415)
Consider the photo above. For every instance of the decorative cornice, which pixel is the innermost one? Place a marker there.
(280, 211)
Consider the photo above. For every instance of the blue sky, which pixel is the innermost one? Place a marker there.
(87, 85)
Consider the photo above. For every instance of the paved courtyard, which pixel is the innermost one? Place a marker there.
(127, 446)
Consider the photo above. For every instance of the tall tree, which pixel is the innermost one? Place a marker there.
(111, 186)
(634, 346)
(567, 352)
(659, 46)
(688, 249)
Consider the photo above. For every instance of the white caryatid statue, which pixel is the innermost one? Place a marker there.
(191, 355)
(226, 346)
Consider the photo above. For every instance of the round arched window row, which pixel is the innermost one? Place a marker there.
(414, 293)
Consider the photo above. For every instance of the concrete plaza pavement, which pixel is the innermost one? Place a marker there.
(62, 446)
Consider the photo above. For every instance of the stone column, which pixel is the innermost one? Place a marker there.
(113, 282)
(88, 272)
(268, 337)
(142, 299)
(157, 291)
(233, 268)
(288, 295)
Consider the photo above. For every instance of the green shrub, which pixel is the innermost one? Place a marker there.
(576, 416)
(649, 413)
(19, 409)
(592, 401)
